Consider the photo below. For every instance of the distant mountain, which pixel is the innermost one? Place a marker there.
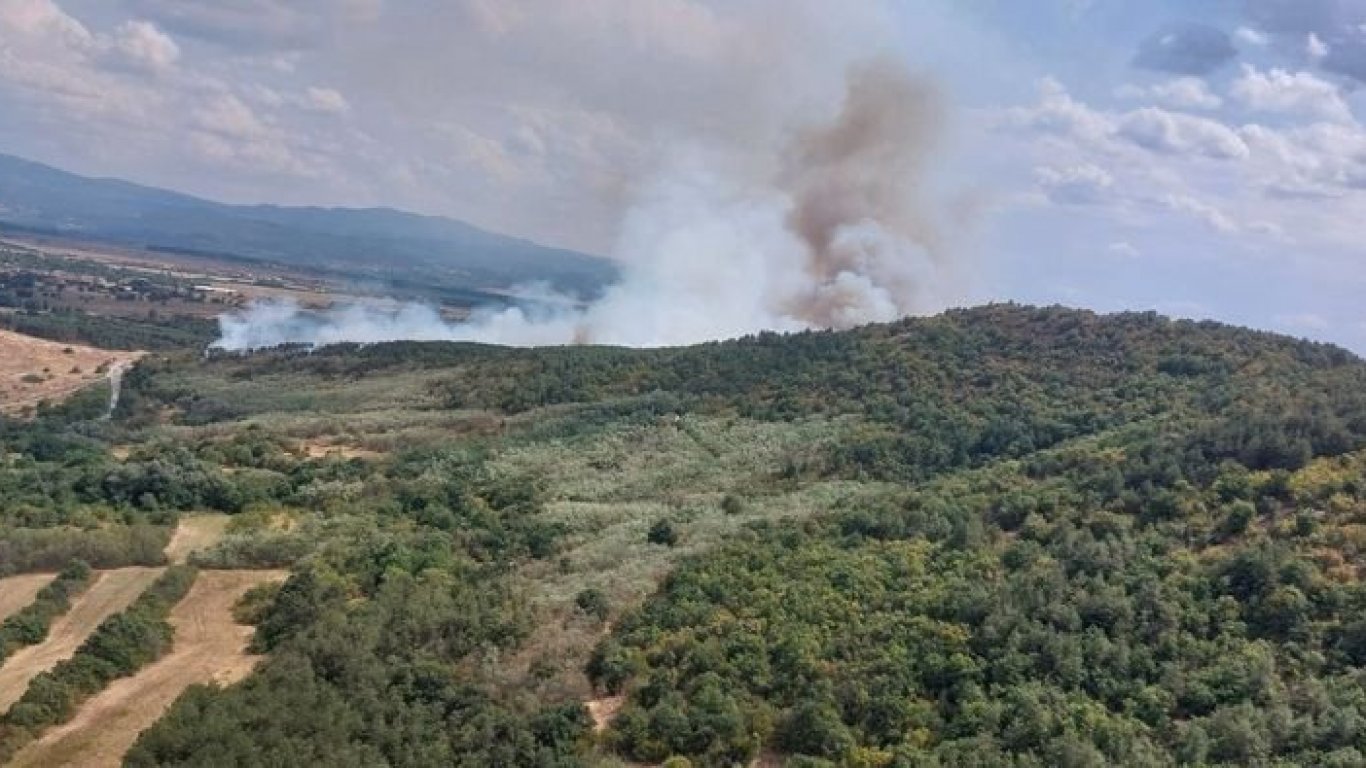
(401, 248)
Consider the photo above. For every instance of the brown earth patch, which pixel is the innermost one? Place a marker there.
(33, 370)
(16, 592)
(604, 711)
(209, 648)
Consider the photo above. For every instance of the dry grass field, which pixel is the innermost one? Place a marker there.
(209, 647)
(195, 533)
(33, 370)
(16, 592)
(112, 592)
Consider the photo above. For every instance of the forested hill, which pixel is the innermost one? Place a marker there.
(1005, 536)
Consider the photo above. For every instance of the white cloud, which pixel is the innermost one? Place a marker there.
(1294, 93)
(143, 45)
(325, 100)
(1075, 185)
(1180, 93)
(1251, 37)
(1315, 48)
(1124, 250)
(1204, 212)
(1169, 132)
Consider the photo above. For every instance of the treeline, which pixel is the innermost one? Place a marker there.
(28, 550)
(120, 646)
(30, 625)
(113, 332)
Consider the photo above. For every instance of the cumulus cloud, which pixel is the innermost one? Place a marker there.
(142, 44)
(1084, 184)
(257, 24)
(1169, 132)
(1303, 93)
(1251, 37)
(1179, 93)
(1332, 33)
(1200, 210)
(1151, 128)
(327, 100)
(1186, 49)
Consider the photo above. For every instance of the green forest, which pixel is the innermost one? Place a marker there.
(1005, 536)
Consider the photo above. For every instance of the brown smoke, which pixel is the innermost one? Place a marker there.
(856, 189)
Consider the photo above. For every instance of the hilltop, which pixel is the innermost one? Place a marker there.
(998, 536)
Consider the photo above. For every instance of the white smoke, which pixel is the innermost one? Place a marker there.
(828, 229)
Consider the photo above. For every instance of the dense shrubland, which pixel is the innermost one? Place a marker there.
(1003, 536)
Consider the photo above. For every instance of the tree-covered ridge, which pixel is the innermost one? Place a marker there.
(1002, 536)
(1030, 614)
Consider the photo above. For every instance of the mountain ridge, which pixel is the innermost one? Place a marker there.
(367, 242)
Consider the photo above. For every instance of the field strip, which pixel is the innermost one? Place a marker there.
(209, 647)
(18, 592)
(112, 592)
(195, 533)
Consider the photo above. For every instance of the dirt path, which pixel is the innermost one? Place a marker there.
(17, 592)
(195, 533)
(209, 647)
(112, 592)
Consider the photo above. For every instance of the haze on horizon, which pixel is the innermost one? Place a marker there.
(1099, 153)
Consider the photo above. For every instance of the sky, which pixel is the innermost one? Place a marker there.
(1204, 158)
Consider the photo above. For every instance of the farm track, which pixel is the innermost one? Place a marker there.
(209, 647)
(112, 592)
(17, 592)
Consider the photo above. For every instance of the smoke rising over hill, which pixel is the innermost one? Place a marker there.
(823, 225)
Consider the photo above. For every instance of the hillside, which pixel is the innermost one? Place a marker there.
(402, 249)
(1002, 536)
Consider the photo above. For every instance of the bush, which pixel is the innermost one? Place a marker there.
(663, 533)
(594, 603)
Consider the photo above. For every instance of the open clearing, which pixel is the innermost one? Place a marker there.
(112, 592)
(16, 592)
(195, 533)
(209, 647)
(33, 370)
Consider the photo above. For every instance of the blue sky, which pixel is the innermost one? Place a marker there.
(1204, 158)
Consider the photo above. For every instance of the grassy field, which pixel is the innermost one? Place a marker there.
(195, 533)
(35, 370)
(112, 592)
(16, 592)
(209, 648)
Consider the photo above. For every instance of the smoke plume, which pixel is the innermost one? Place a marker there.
(827, 228)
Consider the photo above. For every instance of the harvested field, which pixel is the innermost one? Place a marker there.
(33, 370)
(195, 533)
(112, 592)
(16, 592)
(209, 647)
